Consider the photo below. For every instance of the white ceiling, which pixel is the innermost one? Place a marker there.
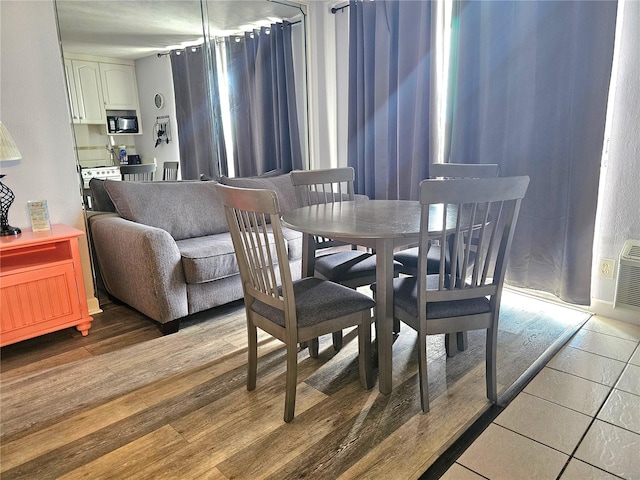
(134, 29)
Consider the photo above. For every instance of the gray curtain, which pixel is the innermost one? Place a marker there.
(202, 148)
(530, 93)
(264, 120)
(389, 96)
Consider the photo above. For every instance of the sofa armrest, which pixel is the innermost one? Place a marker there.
(141, 266)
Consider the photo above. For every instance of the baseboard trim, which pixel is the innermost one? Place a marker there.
(605, 309)
(93, 305)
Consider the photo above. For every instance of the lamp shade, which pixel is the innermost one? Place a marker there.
(8, 149)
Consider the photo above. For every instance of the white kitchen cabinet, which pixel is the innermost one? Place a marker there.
(119, 86)
(85, 91)
(71, 85)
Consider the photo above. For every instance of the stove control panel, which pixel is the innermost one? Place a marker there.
(103, 173)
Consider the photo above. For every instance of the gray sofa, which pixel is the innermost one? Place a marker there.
(164, 248)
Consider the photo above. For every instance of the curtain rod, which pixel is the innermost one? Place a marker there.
(234, 35)
(339, 8)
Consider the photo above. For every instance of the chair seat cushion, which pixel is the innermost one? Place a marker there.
(405, 296)
(409, 259)
(317, 301)
(348, 265)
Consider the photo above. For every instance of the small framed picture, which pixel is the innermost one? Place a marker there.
(39, 213)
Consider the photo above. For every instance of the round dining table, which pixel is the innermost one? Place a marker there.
(383, 225)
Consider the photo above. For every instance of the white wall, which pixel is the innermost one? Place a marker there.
(619, 202)
(322, 85)
(154, 76)
(342, 84)
(300, 72)
(34, 108)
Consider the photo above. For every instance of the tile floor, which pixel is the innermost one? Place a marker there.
(579, 418)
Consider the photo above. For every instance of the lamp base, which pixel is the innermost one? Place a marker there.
(9, 230)
(6, 199)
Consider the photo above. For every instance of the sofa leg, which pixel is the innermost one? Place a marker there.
(170, 327)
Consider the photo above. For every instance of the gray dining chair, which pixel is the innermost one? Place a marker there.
(291, 311)
(138, 173)
(170, 171)
(487, 210)
(347, 266)
(408, 258)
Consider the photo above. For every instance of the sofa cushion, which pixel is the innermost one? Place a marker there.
(280, 183)
(184, 209)
(294, 242)
(209, 258)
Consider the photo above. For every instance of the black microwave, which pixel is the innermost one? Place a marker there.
(122, 124)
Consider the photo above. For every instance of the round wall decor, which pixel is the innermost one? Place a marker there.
(158, 100)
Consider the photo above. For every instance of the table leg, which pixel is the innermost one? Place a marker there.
(308, 270)
(384, 311)
(308, 255)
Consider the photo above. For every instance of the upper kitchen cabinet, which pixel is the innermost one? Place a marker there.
(85, 91)
(100, 84)
(119, 86)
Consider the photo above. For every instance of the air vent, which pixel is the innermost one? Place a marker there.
(628, 282)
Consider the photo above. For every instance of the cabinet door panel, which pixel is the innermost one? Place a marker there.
(88, 86)
(119, 87)
(38, 297)
(71, 86)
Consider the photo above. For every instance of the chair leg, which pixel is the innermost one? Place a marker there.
(337, 341)
(252, 349)
(422, 371)
(292, 380)
(450, 345)
(374, 343)
(396, 326)
(463, 341)
(314, 346)
(364, 351)
(492, 381)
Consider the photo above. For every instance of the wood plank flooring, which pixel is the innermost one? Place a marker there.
(125, 402)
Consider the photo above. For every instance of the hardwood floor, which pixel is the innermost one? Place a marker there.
(125, 402)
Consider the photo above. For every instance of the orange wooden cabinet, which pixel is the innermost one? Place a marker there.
(41, 284)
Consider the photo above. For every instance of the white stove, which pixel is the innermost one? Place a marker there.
(103, 173)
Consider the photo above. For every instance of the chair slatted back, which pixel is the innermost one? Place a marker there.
(170, 171)
(464, 170)
(484, 209)
(331, 185)
(253, 216)
(137, 173)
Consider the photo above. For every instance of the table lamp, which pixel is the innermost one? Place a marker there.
(8, 151)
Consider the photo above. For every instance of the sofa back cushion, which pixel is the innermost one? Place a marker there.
(280, 183)
(184, 209)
